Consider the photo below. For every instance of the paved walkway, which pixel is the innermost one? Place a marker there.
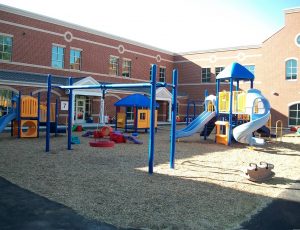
(282, 213)
(22, 209)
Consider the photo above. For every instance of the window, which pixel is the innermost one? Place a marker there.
(205, 75)
(75, 59)
(114, 65)
(294, 114)
(129, 113)
(291, 66)
(5, 47)
(58, 53)
(162, 74)
(219, 70)
(251, 68)
(126, 70)
(142, 116)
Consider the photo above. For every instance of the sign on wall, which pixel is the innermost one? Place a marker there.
(64, 105)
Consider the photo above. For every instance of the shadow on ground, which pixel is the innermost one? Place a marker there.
(22, 209)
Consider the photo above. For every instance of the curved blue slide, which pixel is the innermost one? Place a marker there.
(4, 120)
(243, 133)
(196, 125)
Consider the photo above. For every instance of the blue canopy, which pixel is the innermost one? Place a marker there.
(137, 100)
(235, 71)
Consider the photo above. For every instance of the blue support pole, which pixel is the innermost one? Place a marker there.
(187, 113)
(136, 119)
(217, 97)
(19, 114)
(152, 119)
(251, 84)
(56, 116)
(173, 119)
(116, 119)
(48, 113)
(39, 114)
(194, 110)
(12, 107)
(230, 112)
(70, 115)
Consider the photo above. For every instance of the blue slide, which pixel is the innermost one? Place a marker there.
(243, 133)
(196, 125)
(4, 120)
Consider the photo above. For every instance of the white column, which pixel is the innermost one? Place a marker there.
(73, 106)
(102, 118)
(170, 110)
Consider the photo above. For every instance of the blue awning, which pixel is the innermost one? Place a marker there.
(235, 71)
(135, 100)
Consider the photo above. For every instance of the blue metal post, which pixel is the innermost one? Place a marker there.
(217, 97)
(173, 119)
(12, 108)
(70, 109)
(187, 113)
(194, 110)
(48, 113)
(152, 119)
(116, 119)
(136, 119)
(230, 111)
(39, 114)
(56, 116)
(19, 106)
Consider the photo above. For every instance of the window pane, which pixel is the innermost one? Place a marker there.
(292, 121)
(293, 114)
(57, 57)
(5, 48)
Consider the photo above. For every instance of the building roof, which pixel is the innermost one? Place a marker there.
(137, 100)
(235, 71)
(32, 78)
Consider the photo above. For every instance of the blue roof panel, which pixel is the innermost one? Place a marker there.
(235, 71)
(137, 100)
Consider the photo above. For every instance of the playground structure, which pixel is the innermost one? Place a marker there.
(152, 85)
(140, 104)
(27, 114)
(237, 113)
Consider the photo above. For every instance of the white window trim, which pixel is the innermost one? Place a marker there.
(164, 67)
(287, 59)
(59, 45)
(123, 60)
(74, 48)
(77, 49)
(113, 56)
(8, 35)
(289, 105)
(201, 75)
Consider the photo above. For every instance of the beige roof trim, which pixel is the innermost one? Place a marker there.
(78, 27)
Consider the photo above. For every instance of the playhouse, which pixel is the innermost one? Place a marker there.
(140, 104)
(26, 114)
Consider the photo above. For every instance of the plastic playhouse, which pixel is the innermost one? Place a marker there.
(140, 104)
(27, 114)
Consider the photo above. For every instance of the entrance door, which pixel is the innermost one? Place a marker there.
(80, 110)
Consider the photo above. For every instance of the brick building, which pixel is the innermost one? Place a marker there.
(32, 46)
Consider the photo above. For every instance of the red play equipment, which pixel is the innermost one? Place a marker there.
(104, 132)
